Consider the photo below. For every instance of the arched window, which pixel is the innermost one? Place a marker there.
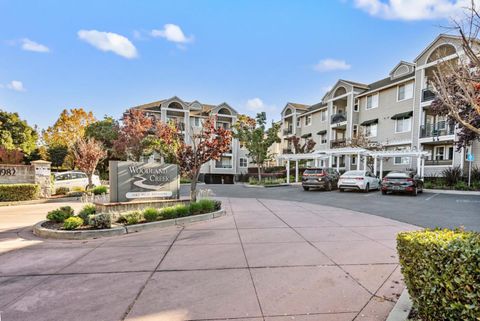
(441, 52)
(224, 111)
(175, 105)
(402, 70)
(340, 91)
(288, 111)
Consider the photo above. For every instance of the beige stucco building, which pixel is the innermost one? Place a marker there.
(392, 114)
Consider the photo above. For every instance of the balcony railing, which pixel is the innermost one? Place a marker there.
(288, 131)
(444, 162)
(287, 151)
(435, 130)
(427, 95)
(223, 165)
(338, 118)
(337, 143)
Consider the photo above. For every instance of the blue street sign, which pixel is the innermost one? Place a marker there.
(470, 157)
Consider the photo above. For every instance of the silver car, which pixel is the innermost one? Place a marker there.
(73, 179)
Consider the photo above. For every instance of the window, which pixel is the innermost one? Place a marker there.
(405, 91)
(298, 122)
(196, 121)
(323, 138)
(371, 130)
(439, 152)
(243, 162)
(355, 107)
(323, 115)
(308, 120)
(355, 130)
(224, 162)
(372, 101)
(402, 160)
(354, 160)
(403, 125)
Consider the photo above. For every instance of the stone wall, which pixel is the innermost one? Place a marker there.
(36, 173)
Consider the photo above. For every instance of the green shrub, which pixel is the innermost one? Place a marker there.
(62, 191)
(195, 208)
(78, 189)
(206, 205)
(86, 211)
(181, 210)
(462, 186)
(72, 223)
(75, 194)
(452, 175)
(60, 214)
(132, 217)
(100, 221)
(441, 271)
(18, 192)
(99, 190)
(168, 213)
(151, 214)
(185, 180)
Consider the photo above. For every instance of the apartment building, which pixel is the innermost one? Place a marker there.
(189, 117)
(392, 114)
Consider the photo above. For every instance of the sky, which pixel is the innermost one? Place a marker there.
(107, 56)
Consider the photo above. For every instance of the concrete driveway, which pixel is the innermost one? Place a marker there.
(267, 260)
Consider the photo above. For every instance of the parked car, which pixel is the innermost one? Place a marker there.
(358, 180)
(73, 179)
(324, 178)
(405, 182)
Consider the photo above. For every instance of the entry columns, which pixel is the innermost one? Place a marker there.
(296, 171)
(381, 168)
(288, 170)
(375, 165)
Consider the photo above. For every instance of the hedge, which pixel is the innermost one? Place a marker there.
(18, 192)
(442, 273)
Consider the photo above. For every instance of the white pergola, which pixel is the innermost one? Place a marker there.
(361, 153)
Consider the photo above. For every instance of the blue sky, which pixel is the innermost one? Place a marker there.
(106, 56)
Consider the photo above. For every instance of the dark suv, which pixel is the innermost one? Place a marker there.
(324, 178)
(406, 182)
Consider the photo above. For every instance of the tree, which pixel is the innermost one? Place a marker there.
(306, 147)
(135, 127)
(10, 156)
(457, 82)
(88, 152)
(105, 131)
(57, 155)
(360, 140)
(256, 138)
(69, 127)
(209, 143)
(15, 133)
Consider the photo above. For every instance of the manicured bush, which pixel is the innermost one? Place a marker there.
(100, 221)
(86, 211)
(441, 271)
(195, 208)
(75, 194)
(132, 217)
(72, 223)
(60, 214)
(18, 192)
(168, 213)
(62, 191)
(206, 205)
(99, 190)
(151, 214)
(181, 210)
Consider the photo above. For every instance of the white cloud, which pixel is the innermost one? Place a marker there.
(16, 85)
(331, 65)
(30, 45)
(109, 41)
(257, 105)
(412, 9)
(172, 33)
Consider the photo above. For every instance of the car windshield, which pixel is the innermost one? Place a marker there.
(311, 171)
(354, 173)
(398, 175)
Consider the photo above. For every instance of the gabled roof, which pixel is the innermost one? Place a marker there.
(298, 106)
(150, 105)
(354, 84)
(402, 62)
(385, 83)
(442, 35)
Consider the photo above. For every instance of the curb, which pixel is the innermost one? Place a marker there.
(40, 201)
(264, 186)
(447, 191)
(40, 231)
(402, 308)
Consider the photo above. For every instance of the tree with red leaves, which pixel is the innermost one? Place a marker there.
(10, 156)
(204, 145)
(135, 127)
(88, 152)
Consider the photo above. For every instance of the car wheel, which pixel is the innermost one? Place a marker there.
(367, 188)
(329, 186)
(384, 192)
(305, 188)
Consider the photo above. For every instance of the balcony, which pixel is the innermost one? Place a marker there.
(427, 95)
(288, 131)
(338, 143)
(435, 130)
(338, 118)
(439, 162)
(287, 151)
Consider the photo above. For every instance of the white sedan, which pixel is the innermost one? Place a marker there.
(359, 180)
(73, 179)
